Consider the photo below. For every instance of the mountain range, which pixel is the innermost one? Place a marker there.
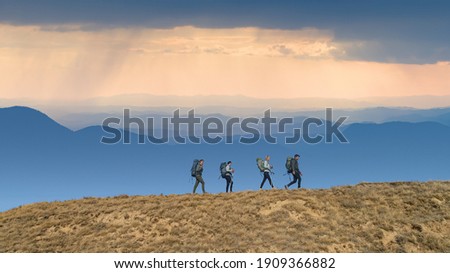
(42, 160)
(78, 114)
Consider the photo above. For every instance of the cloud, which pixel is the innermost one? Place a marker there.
(442, 63)
(78, 64)
(402, 31)
(305, 43)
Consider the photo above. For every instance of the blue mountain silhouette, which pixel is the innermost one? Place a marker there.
(41, 160)
(384, 152)
(27, 123)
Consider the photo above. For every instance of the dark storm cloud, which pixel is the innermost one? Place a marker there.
(414, 31)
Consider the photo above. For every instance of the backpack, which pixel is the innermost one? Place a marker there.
(260, 164)
(223, 169)
(288, 164)
(194, 167)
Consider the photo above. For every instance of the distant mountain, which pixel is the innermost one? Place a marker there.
(91, 112)
(79, 120)
(383, 152)
(28, 136)
(27, 123)
(380, 115)
(211, 102)
(42, 160)
(444, 118)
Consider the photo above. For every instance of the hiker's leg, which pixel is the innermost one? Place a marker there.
(228, 178)
(293, 181)
(195, 185)
(203, 187)
(264, 180)
(270, 180)
(297, 177)
(231, 186)
(203, 184)
(299, 181)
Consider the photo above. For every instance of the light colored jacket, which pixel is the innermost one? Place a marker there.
(267, 166)
(228, 170)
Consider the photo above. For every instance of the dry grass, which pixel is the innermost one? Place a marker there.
(375, 217)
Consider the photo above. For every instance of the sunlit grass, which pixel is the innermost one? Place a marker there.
(369, 217)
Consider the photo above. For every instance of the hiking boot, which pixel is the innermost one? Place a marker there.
(285, 187)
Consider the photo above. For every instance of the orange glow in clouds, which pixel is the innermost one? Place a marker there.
(71, 63)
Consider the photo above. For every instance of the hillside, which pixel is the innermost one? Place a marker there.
(368, 217)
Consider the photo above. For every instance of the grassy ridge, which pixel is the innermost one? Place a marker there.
(369, 217)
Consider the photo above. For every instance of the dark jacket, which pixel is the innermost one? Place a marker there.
(199, 170)
(294, 165)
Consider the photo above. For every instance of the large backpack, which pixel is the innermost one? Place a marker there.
(260, 164)
(223, 169)
(194, 167)
(288, 164)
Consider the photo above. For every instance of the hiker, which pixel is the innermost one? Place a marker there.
(198, 175)
(267, 169)
(296, 173)
(229, 176)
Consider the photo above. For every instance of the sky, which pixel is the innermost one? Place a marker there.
(76, 50)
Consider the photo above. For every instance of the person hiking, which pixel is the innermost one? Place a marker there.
(267, 169)
(198, 176)
(296, 173)
(229, 176)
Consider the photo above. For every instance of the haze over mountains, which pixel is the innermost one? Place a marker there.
(77, 114)
(42, 160)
